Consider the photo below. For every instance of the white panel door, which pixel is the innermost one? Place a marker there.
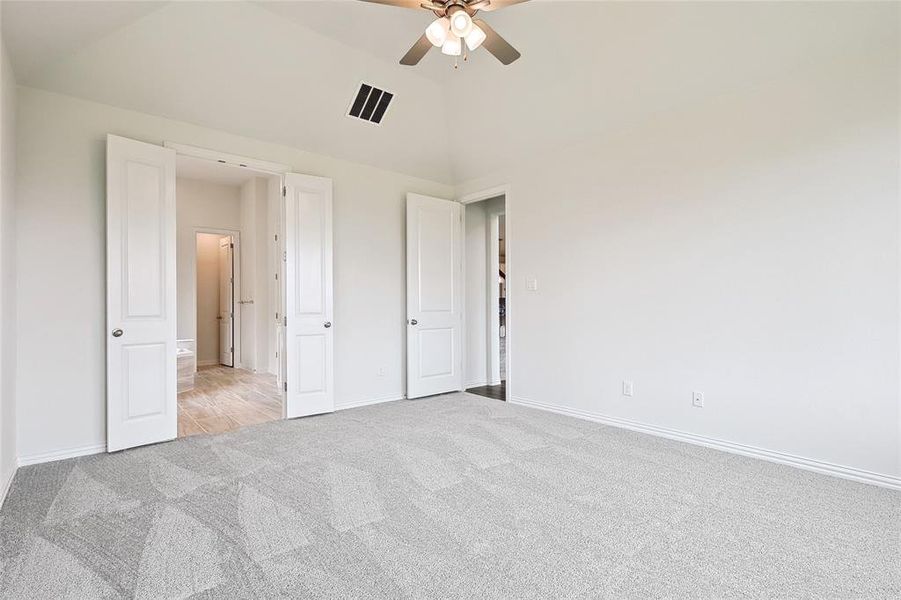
(226, 302)
(309, 334)
(140, 304)
(434, 296)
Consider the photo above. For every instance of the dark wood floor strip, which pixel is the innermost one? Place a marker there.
(496, 392)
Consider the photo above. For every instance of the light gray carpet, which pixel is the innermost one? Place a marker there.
(450, 497)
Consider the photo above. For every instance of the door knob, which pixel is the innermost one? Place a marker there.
(117, 332)
(414, 322)
(327, 324)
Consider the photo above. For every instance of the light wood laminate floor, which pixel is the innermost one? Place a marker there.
(224, 399)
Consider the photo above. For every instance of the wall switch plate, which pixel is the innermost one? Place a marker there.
(697, 399)
(531, 284)
(381, 372)
(628, 389)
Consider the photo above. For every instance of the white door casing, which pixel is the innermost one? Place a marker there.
(309, 331)
(434, 296)
(141, 294)
(226, 302)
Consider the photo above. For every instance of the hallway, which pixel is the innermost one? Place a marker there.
(224, 399)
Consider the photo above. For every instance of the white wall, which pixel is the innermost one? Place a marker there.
(746, 247)
(7, 272)
(61, 196)
(257, 230)
(208, 298)
(198, 204)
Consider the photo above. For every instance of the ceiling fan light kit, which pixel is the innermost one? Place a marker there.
(438, 31)
(452, 46)
(454, 26)
(475, 37)
(460, 23)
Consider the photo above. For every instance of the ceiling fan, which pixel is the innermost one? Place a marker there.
(455, 27)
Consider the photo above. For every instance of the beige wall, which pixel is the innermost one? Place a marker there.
(199, 204)
(207, 298)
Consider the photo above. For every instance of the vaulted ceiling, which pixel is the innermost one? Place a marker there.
(286, 71)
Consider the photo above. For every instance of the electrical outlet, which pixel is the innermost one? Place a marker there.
(531, 284)
(381, 372)
(697, 399)
(628, 388)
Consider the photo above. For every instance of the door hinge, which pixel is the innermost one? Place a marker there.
(276, 237)
(232, 349)
(286, 385)
(285, 323)
(284, 191)
(231, 245)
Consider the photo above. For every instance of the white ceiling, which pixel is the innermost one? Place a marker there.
(40, 33)
(189, 167)
(285, 71)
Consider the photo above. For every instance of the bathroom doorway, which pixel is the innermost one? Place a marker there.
(216, 319)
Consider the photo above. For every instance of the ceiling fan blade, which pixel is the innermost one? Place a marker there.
(499, 4)
(415, 4)
(415, 54)
(495, 44)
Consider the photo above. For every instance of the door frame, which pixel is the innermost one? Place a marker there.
(236, 286)
(494, 298)
(263, 167)
(479, 196)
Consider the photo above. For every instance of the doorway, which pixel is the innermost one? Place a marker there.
(226, 223)
(215, 291)
(485, 230)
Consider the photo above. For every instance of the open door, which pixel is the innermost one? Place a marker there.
(309, 335)
(141, 405)
(434, 296)
(226, 302)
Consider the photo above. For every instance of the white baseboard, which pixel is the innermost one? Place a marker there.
(4, 485)
(368, 402)
(817, 466)
(35, 459)
(44, 457)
